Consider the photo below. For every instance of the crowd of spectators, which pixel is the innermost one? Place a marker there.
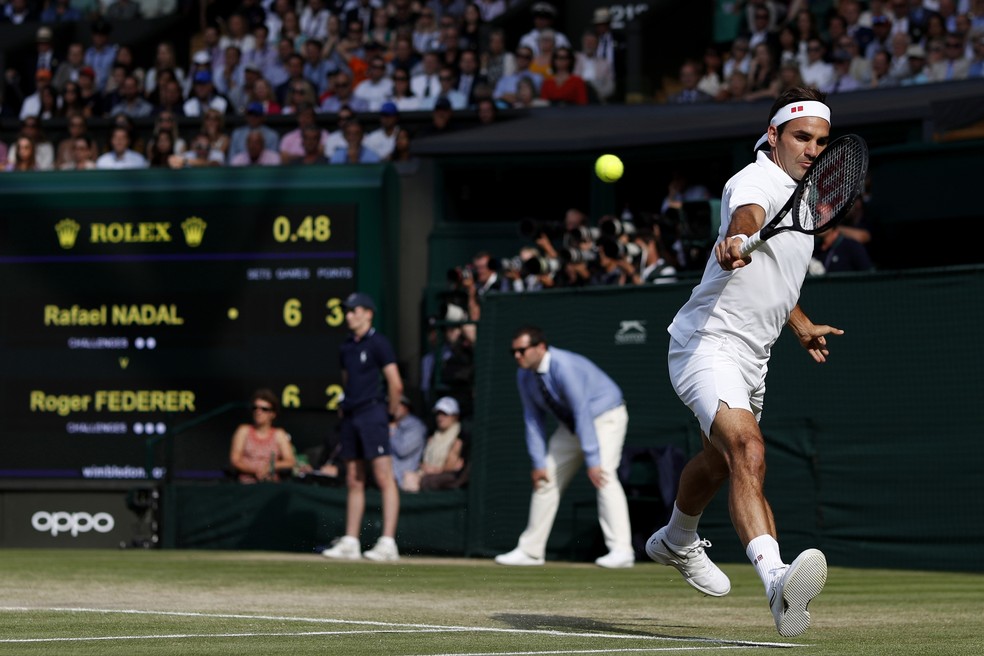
(837, 47)
(374, 59)
(368, 59)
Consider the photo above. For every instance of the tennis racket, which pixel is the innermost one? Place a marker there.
(824, 195)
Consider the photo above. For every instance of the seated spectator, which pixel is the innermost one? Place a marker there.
(290, 143)
(342, 95)
(200, 154)
(564, 87)
(101, 54)
(164, 60)
(543, 53)
(256, 153)
(312, 150)
(22, 156)
(261, 451)
(404, 99)
(71, 101)
(505, 89)
(65, 153)
(230, 78)
(441, 120)
(816, 71)
(44, 150)
(83, 156)
(213, 125)
(120, 156)
(205, 97)
(407, 436)
(160, 149)
(354, 151)
(527, 96)
(255, 121)
(471, 82)
(376, 88)
(167, 122)
(595, 69)
(424, 80)
(402, 153)
(132, 102)
(32, 103)
(68, 70)
(447, 91)
(90, 97)
(496, 60)
(843, 80)
(443, 464)
(689, 79)
(383, 139)
(262, 93)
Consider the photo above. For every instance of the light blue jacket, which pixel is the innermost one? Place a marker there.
(580, 386)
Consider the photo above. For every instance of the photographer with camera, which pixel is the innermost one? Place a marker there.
(481, 278)
(615, 266)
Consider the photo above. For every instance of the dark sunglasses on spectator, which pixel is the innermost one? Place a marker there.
(262, 408)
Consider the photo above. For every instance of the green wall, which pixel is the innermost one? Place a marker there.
(874, 457)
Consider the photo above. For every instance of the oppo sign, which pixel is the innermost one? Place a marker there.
(73, 523)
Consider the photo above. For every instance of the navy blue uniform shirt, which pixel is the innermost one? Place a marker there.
(363, 361)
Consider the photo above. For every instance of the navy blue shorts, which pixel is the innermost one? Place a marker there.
(365, 435)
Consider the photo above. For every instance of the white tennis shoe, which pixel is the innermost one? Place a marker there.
(616, 560)
(792, 590)
(691, 561)
(518, 558)
(344, 548)
(384, 551)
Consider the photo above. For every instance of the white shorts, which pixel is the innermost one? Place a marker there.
(707, 370)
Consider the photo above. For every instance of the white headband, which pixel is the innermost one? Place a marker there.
(793, 110)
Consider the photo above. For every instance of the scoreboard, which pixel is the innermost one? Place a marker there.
(121, 321)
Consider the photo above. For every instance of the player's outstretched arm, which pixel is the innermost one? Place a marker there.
(810, 335)
(745, 221)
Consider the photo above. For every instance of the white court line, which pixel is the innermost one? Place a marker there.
(389, 626)
(642, 650)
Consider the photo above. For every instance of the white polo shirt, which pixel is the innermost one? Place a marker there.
(749, 307)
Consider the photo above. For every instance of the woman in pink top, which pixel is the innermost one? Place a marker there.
(260, 450)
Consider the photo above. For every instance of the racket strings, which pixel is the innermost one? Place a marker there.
(834, 182)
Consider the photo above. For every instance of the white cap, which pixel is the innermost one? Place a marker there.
(455, 313)
(447, 405)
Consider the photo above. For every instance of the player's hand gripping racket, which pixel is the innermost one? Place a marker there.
(824, 195)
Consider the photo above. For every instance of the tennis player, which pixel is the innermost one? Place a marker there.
(720, 345)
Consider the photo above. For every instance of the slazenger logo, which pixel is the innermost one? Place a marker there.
(631, 332)
(74, 523)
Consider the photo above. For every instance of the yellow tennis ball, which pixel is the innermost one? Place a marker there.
(609, 168)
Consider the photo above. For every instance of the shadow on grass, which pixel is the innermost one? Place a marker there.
(565, 623)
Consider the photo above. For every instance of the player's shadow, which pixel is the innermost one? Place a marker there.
(561, 622)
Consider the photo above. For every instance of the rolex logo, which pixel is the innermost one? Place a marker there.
(67, 230)
(194, 230)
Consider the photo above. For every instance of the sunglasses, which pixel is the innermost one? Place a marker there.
(521, 350)
(262, 408)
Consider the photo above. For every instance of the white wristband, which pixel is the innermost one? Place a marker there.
(738, 236)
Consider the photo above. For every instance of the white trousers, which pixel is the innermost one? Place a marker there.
(564, 458)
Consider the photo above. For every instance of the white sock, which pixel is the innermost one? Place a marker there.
(763, 551)
(682, 528)
(384, 540)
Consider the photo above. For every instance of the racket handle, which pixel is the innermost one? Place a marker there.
(751, 244)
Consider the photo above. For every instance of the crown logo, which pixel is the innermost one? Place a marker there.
(194, 230)
(67, 230)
